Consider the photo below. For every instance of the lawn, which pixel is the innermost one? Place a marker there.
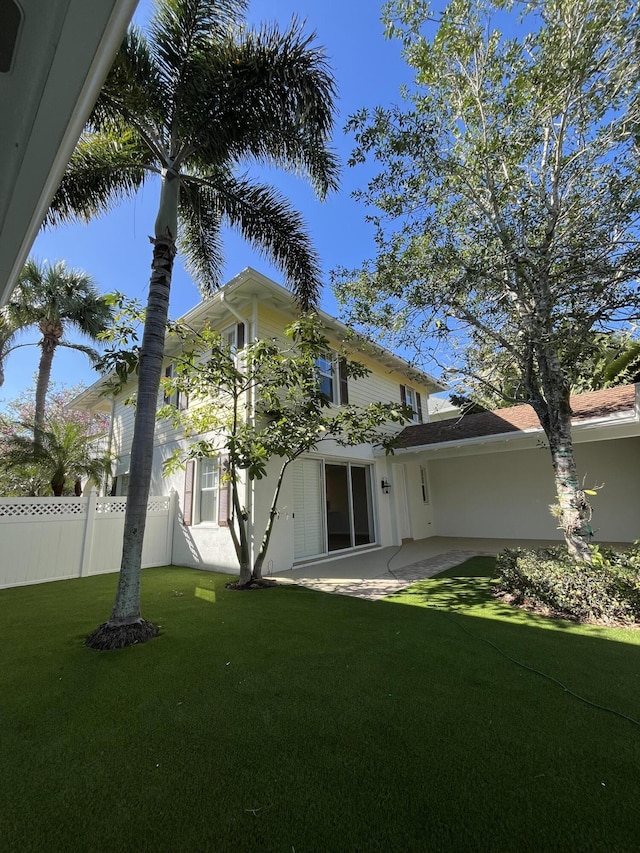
(291, 720)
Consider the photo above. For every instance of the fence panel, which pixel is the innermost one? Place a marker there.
(46, 539)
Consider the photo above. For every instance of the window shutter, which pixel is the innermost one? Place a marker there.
(403, 395)
(240, 335)
(342, 377)
(419, 405)
(187, 510)
(224, 493)
(167, 374)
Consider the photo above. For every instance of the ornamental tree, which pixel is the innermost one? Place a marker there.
(506, 207)
(261, 403)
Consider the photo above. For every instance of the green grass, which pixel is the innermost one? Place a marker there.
(290, 720)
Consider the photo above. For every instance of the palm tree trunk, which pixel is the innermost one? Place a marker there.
(47, 350)
(126, 626)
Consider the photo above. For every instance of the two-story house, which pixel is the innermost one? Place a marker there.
(333, 501)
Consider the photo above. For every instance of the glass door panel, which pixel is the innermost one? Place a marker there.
(338, 507)
(361, 502)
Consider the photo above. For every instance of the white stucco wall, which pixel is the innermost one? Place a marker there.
(507, 494)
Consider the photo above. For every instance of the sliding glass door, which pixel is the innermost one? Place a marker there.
(333, 507)
(349, 510)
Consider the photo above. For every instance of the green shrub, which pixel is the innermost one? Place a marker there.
(607, 590)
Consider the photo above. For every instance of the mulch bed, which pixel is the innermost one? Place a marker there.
(543, 610)
(254, 584)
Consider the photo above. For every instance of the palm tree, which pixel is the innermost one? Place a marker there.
(53, 298)
(188, 102)
(63, 452)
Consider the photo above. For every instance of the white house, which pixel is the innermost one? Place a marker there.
(332, 501)
(483, 476)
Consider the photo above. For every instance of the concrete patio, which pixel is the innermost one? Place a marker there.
(378, 572)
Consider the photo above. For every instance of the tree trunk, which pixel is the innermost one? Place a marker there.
(126, 626)
(47, 349)
(240, 540)
(273, 513)
(572, 508)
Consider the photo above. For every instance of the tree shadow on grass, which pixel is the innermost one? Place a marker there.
(468, 589)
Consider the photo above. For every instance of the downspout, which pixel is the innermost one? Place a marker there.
(248, 491)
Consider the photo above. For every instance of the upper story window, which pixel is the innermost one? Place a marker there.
(233, 337)
(332, 378)
(412, 398)
(176, 398)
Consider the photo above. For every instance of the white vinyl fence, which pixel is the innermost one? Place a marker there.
(49, 539)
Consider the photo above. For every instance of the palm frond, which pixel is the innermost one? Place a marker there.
(133, 89)
(181, 29)
(104, 169)
(266, 95)
(200, 240)
(266, 219)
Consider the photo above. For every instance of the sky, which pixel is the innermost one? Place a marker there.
(115, 249)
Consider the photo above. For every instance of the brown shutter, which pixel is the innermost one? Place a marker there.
(419, 405)
(187, 509)
(224, 493)
(342, 376)
(240, 335)
(167, 374)
(403, 395)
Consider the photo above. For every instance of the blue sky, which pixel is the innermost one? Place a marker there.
(115, 250)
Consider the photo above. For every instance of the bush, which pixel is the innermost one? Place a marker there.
(607, 590)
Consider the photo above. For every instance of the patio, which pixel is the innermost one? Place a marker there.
(378, 572)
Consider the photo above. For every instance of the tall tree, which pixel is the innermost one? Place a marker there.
(189, 101)
(54, 298)
(509, 197)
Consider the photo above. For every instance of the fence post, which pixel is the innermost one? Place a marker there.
(173, 507)
(87, 545)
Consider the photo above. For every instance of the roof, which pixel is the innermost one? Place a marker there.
(236, 298)
(594, 405)
(50, 74)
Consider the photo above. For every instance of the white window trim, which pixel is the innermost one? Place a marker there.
(207, 522)
(411, 400)
(333, 376)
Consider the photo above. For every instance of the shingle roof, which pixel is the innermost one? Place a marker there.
(594, 404)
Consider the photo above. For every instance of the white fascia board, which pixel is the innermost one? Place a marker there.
(83, 52)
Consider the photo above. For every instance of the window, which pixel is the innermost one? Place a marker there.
(208, 484)
(332, 378)
(411, 398)
(233, 337)
(120, 485)
(326, 377)
(424, 484)
(176, 398)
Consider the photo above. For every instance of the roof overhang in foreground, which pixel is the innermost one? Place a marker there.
(63, 52)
